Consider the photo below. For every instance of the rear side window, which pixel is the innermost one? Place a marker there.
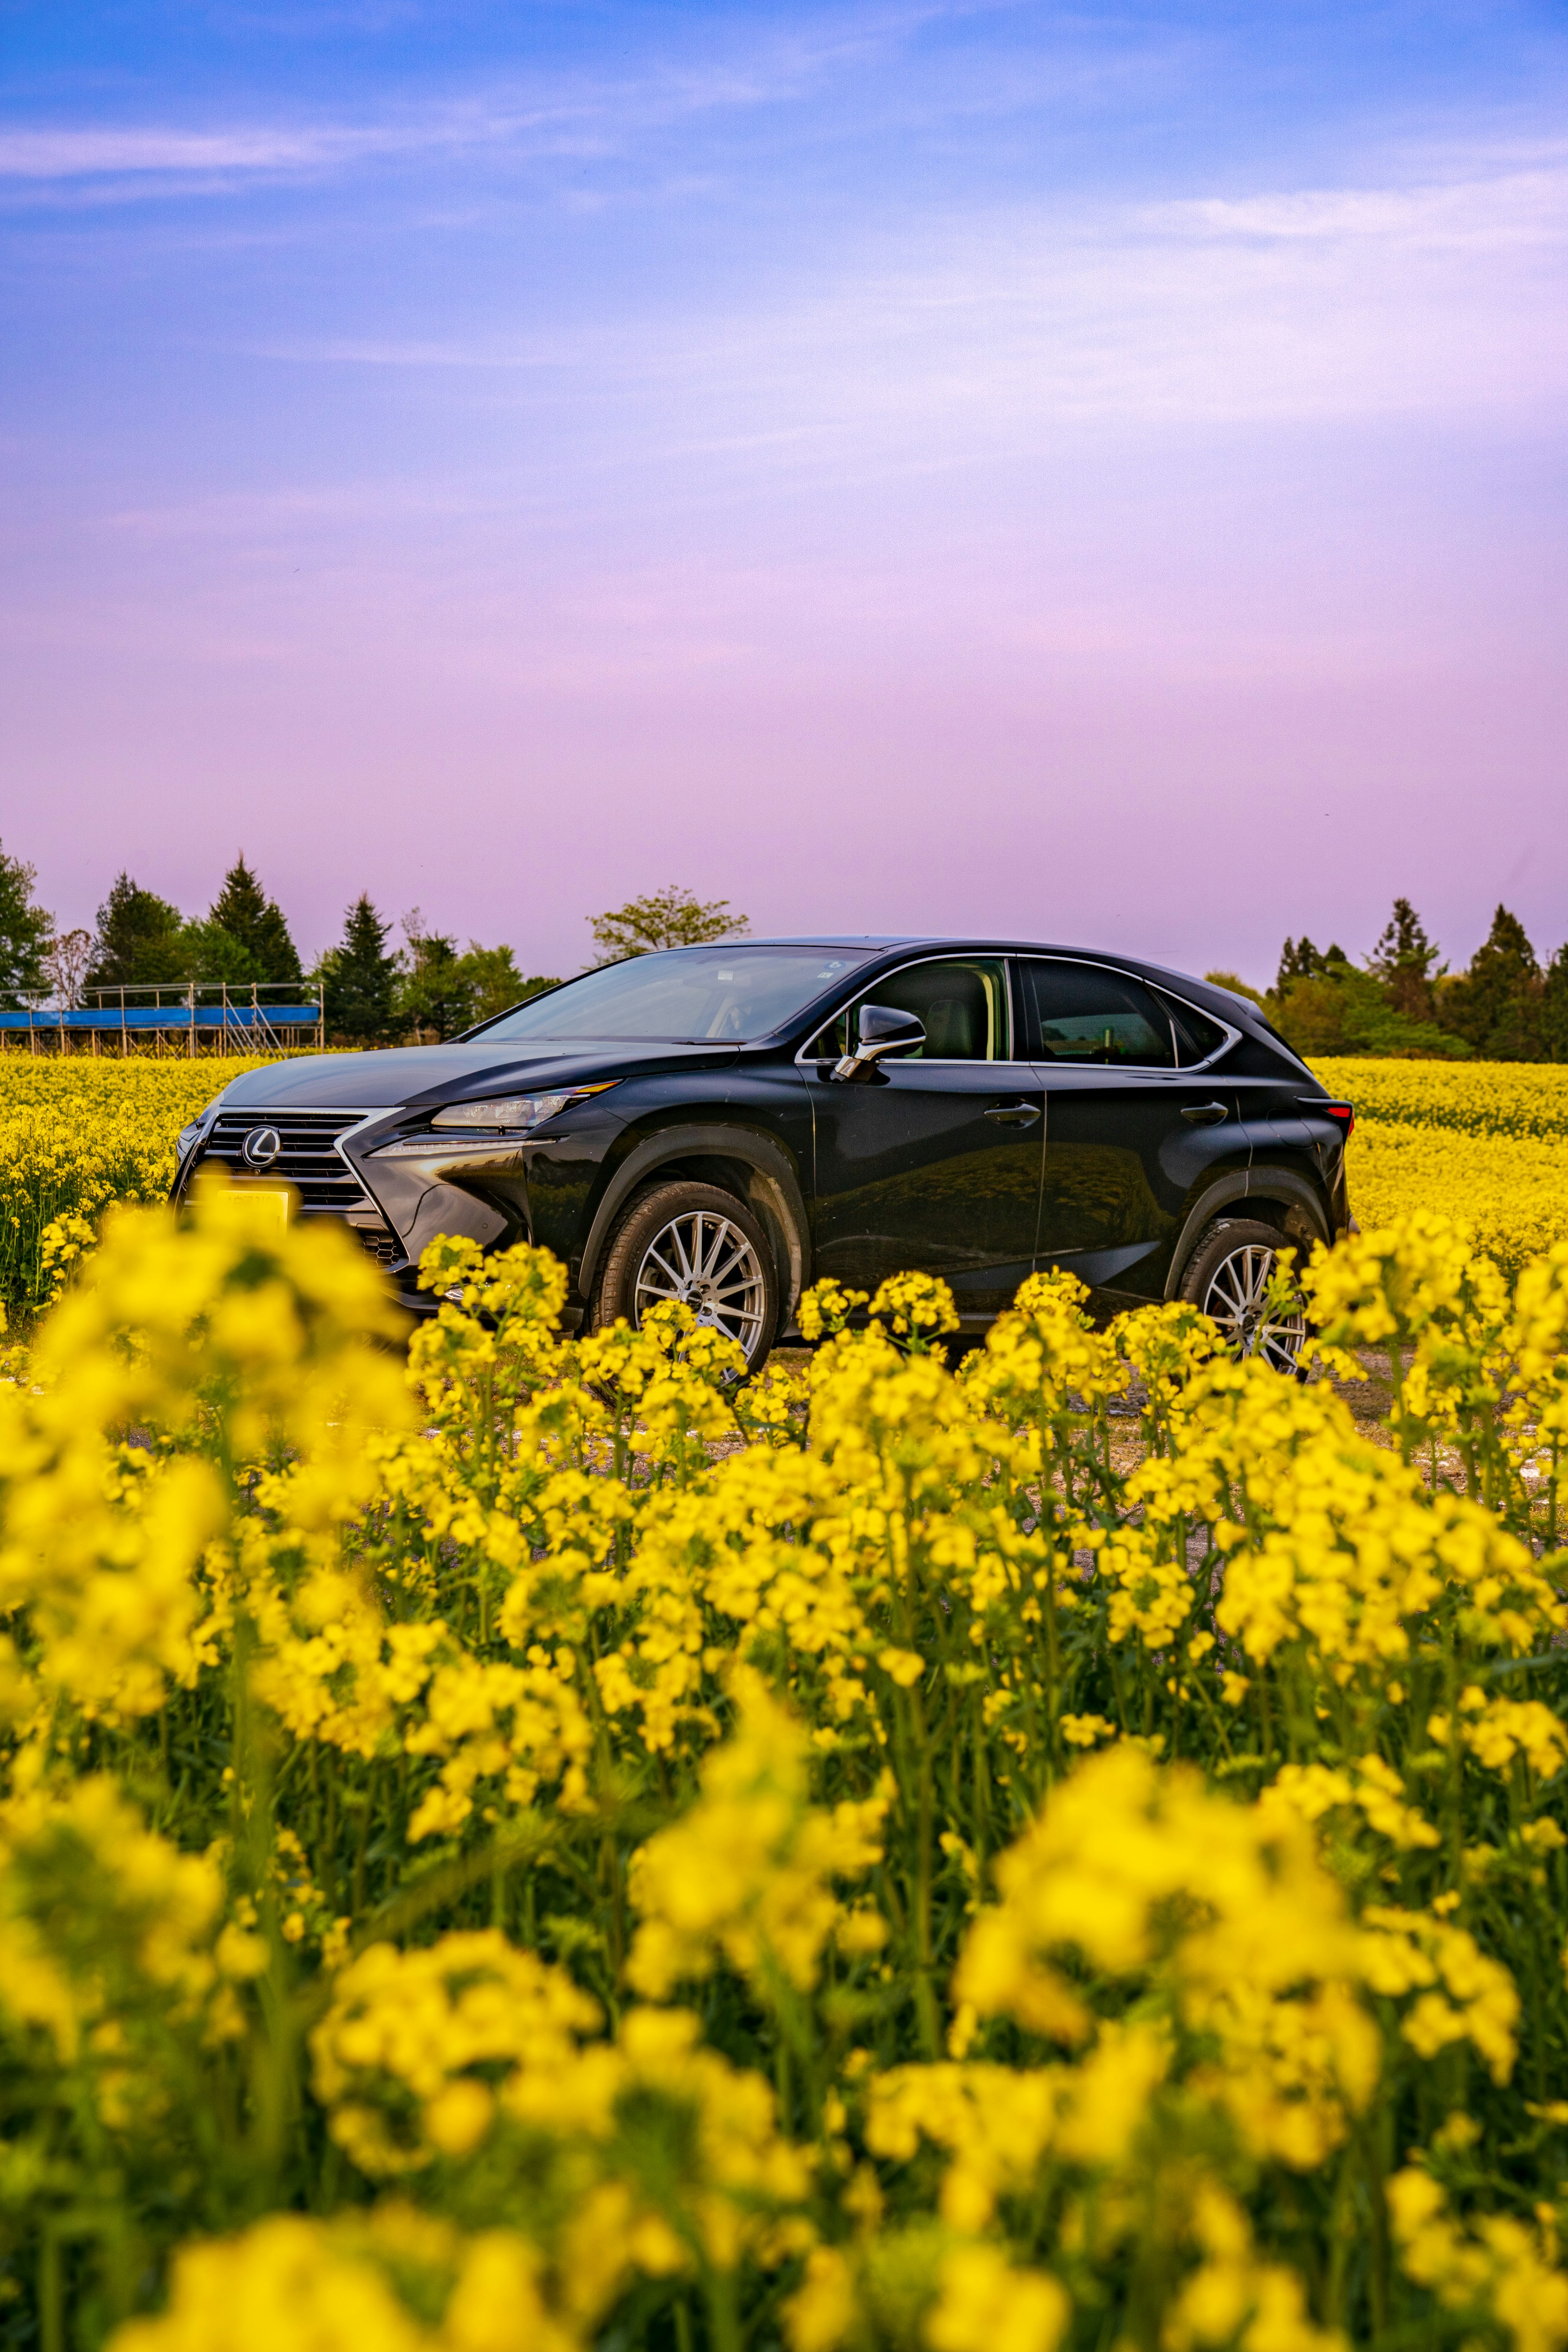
(1197, 1036)
(1079, 1013)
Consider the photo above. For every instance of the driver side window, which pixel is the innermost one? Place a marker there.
(961, 1002)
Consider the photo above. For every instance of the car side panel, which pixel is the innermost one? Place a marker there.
(1284, 1131)
(755, 1114)
(933, 1168)
(1122, 1166)
(565, 1175)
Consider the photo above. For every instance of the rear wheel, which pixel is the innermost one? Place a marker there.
(700, 1247)
(1228, 1276)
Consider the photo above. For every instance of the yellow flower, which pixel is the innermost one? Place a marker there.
(986, 2305)
(749, 1873)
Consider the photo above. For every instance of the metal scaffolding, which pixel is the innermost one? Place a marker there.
(258, 1016)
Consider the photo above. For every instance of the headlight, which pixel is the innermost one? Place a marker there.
(517, 1110)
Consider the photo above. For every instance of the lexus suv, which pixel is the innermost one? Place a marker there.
(726, 1125)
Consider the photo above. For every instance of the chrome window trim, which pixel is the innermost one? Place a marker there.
(1147, 1069)
(804, 1060)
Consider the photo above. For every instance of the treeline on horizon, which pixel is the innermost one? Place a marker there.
(372, 994)
(1402, 1001)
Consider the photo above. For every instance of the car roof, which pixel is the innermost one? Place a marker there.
(1237, 1010)
(825, 940)
(971, 944)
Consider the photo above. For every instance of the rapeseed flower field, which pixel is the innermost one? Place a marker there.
(1485, 1143)
(78, 1132)
(547, 1844)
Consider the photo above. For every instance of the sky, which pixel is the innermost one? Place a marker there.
(1090, 474)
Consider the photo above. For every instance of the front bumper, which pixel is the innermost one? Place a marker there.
(397, 1186)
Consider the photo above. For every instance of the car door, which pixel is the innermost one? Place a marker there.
(1131, 1123)
(932, 1161)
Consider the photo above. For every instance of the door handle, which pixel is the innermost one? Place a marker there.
(1206, 1114)
(1018, 1114)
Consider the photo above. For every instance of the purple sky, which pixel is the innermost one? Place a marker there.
(1093, 476)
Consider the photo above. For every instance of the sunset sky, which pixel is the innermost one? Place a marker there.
(1092, 474)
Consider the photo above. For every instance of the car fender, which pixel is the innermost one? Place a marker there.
(1305, 1219)
(773, 1193)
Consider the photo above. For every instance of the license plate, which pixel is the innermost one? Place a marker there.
(256, 1208)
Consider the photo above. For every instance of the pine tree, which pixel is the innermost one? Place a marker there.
(25, 934)
(1555, 1007)
(255, 923)
(1497, 1005)
(361, 977)
(139, 939)
(1299, 960)
(1402, 961)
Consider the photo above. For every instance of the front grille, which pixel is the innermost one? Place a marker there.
(309, 1159)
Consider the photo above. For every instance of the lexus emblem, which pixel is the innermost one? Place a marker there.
(261, 1147)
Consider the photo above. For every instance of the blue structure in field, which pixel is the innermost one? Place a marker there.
(207, 1015)
(142, 1017)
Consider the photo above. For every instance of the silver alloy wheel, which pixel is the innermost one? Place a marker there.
(710, 1264)
(1236, 1296)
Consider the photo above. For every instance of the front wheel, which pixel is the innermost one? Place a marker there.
(1228, 1276)
(694, 1243)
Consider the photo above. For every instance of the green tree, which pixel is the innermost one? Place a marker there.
(138, 940)
(1237, 986)
(1299, 960)
(207, 951)
(433, 998)
(361, 977)
(493, 983)
(255, 923)
(25, 931)
(1340, 1010)
(667, 919)
(1324, 1004)
(1405, 960)
(1495, 1007)
(1555, 1007)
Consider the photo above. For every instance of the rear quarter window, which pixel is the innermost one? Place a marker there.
(1197, 1036)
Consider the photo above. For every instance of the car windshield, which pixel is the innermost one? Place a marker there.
(683, 996)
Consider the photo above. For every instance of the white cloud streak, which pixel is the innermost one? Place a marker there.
(962, 335)
(1506, 207)
(552, 114)
(65, 153)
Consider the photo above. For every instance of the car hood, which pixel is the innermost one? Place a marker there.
(408, 1074)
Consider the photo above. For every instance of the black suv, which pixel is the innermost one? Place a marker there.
(726, 1125)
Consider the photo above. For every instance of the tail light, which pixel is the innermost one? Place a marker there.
(1341, 1113)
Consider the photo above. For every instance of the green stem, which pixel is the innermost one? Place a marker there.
(52, 2292)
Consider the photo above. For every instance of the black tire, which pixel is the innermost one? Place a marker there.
(670, 1244)
(1228, 1276)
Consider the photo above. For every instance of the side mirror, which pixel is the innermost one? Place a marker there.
(882, 1031)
